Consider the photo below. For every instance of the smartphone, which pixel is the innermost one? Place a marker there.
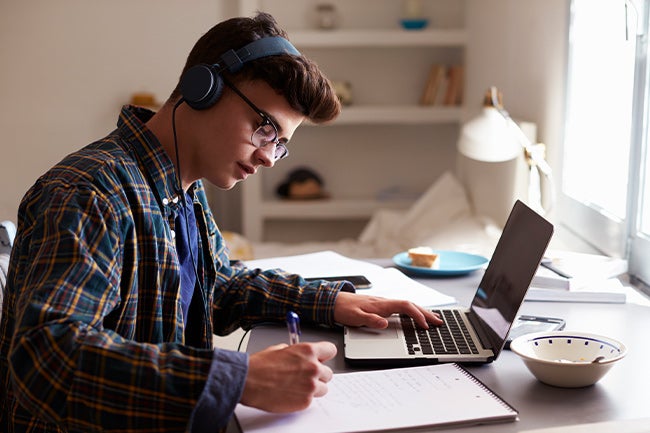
(527, 324)
(359, 281)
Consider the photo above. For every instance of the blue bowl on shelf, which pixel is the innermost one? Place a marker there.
(414, 23)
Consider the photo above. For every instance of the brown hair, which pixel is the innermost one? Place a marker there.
(297, 78)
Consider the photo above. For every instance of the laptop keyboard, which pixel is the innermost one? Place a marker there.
(452, 337)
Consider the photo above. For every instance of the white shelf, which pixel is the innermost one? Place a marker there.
(378, 38)
(398, 114)
(326, 208)
(387, 67)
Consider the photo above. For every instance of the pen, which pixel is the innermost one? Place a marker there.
(548, 264)
(293, 325)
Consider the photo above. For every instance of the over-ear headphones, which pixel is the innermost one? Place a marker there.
(202, 85)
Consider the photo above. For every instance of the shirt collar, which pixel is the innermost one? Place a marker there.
(153, 158)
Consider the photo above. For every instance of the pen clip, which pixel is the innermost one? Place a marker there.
(293, 325)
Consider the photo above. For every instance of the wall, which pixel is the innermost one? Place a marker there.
(520, 46)
(69, 65)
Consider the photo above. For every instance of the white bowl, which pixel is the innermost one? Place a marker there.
(566, 358)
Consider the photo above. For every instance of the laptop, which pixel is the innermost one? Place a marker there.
(469, 335)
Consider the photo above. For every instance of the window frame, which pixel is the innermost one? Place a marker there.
(606, 233)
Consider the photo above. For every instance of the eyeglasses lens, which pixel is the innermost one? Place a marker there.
(266, 134)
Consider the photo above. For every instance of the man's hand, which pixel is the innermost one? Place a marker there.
(286, 378)
(361, 310)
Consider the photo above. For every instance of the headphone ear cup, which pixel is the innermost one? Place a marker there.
(201, 86)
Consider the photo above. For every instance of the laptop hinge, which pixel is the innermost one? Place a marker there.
(478, 327)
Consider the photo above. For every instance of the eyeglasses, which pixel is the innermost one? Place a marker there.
(267, 132)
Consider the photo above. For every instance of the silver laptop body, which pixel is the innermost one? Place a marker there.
(494, 307)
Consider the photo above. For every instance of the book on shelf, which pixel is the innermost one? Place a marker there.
(444, 86)
(570, 270)
(433, 85)
(454, 91)
(442, 395)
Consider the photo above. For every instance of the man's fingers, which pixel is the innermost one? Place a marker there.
(371, 311)
(276, 347)
(324, 351)
(421, 316)
(426, 317)
(285, 378)
(321, 389)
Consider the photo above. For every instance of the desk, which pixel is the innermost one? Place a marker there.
(623, 393)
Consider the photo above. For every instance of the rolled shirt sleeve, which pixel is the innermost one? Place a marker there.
(222, 392)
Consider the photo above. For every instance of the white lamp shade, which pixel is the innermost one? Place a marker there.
(488, 137)
(491, 164)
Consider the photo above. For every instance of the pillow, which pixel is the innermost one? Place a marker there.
(4, 265)
(443, 203)
(7, 234)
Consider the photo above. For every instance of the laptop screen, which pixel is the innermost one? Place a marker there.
(509, 273)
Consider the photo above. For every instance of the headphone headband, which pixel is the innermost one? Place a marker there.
(269, 46)
(201, 85)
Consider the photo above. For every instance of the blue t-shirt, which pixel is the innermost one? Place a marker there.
(187, 246)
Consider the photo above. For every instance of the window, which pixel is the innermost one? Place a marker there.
(604, 183)
(645, 201)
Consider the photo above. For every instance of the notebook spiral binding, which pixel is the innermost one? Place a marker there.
(478, 381)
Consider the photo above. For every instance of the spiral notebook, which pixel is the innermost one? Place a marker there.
(399, 399)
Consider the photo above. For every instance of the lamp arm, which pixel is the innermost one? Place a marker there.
(534, 155)
(529, 147)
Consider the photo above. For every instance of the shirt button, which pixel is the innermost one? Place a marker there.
(175, 200)
(165, 201)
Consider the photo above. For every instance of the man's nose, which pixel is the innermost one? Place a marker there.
(266, 155)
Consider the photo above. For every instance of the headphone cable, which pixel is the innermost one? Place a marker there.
(181, 193)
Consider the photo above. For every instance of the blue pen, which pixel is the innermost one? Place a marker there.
(293, 325)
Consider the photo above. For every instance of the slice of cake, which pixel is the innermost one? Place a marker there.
(424, 257)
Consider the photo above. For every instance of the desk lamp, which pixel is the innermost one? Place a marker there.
(493, 154)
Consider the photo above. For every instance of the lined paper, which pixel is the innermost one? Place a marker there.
(434, 395)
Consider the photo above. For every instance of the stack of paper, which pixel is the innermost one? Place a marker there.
(578, 277)
(386, 282)
(569, 270)
(608, 291)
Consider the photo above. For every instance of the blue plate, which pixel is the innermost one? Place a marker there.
(451, 263)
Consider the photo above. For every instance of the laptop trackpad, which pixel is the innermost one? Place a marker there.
(363, 333)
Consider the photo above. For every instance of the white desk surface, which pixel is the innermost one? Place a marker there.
(622, 394)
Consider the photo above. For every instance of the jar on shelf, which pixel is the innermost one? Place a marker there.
(412, 9)
(412, 15)
(327, 17)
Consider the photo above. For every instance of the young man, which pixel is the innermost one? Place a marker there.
(119, 275)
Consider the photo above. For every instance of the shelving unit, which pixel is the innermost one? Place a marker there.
(397, 114)
(387, 68)
(378, 38)
(329, 209)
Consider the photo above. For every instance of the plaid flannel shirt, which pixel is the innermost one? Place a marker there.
(92, 334)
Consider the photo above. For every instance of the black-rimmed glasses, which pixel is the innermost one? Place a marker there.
(267, 132)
